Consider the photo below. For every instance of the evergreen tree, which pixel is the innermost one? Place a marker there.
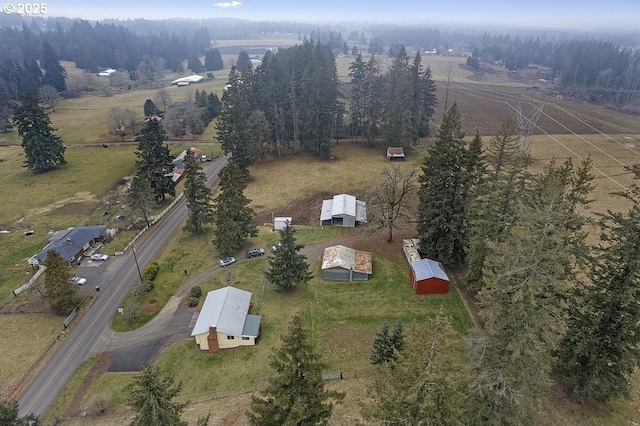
(54, 73)
(62, 294)
(318, 101)
(425, 385)
(233, 216)
(154, 163)
(295, 394)
(151, 395)
(150, 108)
(600, 349)
(386, 345)
(141, 198)
(194, 64)
(244, 62)
(397, 337)
(423, 99)
(213, 60)
(449, 171)
(382, 351)
(231, 125)
(494, 202)
(288, 267)
(9, 415)
(198, 196)
(527, 277)
(212, 108)
(43, 149)
(398, 122)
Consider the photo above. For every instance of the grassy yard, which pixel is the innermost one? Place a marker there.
(343, 316)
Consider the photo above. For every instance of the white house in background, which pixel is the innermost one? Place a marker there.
(224, 321)
(186, 81)
(281, 222)
(107, 73)
(343, 210)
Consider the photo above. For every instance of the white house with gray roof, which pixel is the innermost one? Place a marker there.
(224, 321)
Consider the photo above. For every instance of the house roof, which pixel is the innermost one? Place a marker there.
(426, 268)
(189, 79)
(226, 309)
(344, 205)
(347, 258)
(69, 242)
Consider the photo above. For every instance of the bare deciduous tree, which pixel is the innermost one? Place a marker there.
(163, 98)
(49, 96)
(117, 120)
(391, 199)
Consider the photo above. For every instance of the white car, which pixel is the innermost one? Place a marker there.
(78, 280)
(99, 256)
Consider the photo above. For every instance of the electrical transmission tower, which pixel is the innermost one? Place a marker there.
(526, 123)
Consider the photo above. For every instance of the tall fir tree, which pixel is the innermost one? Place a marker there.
(233, 216)
(527, 280)
(231, 124)
(288, 267)
(43, 150)
(54, 73)
(295, 394)
(399, 123)
(62, 294)
(154, 163)
(493, 205)
(213, 60)
(449, 172)
(151, 395)
(198, 196)
(600, 349)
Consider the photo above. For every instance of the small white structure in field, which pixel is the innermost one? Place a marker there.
(281, 223)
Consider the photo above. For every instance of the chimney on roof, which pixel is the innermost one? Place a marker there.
(69, 241)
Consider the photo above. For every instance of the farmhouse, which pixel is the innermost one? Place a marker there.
(186, 81)
(343, 210)
(395, 153)
(224, 321)
(178, 162)
(340, 263)
(281, 222)
(72, 243)
(426, 275)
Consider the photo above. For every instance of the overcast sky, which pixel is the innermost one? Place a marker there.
(584, 14)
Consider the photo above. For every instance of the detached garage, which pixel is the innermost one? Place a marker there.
(428, 277)
(340, 263)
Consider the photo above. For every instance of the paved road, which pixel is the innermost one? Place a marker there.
(117, 277)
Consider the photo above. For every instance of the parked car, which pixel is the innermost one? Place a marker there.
(78, 280)
(227, 261)
(98, 256)
(256, 252)
(276, 247)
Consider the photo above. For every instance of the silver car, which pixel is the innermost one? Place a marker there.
(227, 261)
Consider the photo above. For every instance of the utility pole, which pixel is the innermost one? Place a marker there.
(137, 265)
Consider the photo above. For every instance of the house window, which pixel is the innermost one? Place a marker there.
(245, 338)
(230, 337)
